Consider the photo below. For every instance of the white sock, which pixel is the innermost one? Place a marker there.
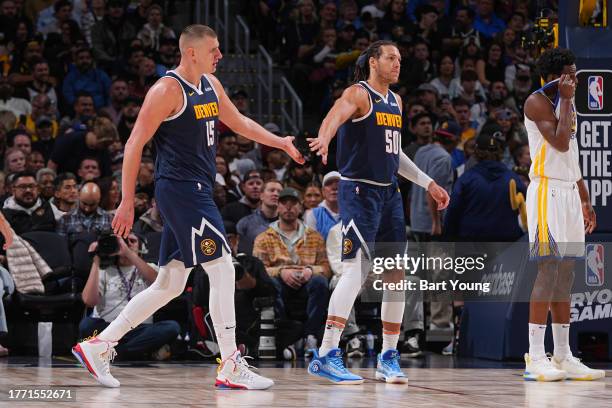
(392, 312)
(170, 283)
(536, 341)
(561, 340)
(389, 342)
(221, 275)
(331, 337)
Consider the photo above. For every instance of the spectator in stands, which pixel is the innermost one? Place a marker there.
(247, 149)
(18, 106)
(468, 91)
(312, 197)
(422, 125)
(254, 224)
(448, 135)
(419, 68)
(83, 112)
(328, 14)
(410, 111)
(35, 161)
(43, 133)
(62, 12)
(229, 181)
(426, 27)
(20, 73)
(486, 22)
(14, 161)
(46, 183)
(166, 56)
(73, 147)
(326, 214)
(240, 98)
(108, 290)
(109, 191)
(129, 113)
(154, 30)
(220, 196)
(83, 76)
(42, 108)
(446, 72)
(295, 256)
(145, 180)
(25, 210)
(111, 36)
(141, 204)
(22, 141)
(427, 95)
(94, 13)
(395, 16)
(146, 78)
(88, 216)
(301, 33)
(434, 160)
(493, 67)
(134, 55)
(150, 221)
(251, 187)
(277, 161)
(8, 20)
(480, 208)
(461, 31)
(89, 169)
(463, 116)
(138, 15)
(41, 83)
(118, 95)
(298, 176)
(65, 195)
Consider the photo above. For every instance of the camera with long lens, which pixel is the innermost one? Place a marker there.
(108, 248)
(542, 35)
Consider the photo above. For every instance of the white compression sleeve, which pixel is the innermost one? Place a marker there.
(411, 172)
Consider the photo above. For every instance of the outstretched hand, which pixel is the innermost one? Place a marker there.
(439, 195)
(319, 145)
(291, 150)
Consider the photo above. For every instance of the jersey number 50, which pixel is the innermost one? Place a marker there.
(392, 139)
(210, 133)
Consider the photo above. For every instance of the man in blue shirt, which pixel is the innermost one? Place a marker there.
(83, 76)
(487, 23)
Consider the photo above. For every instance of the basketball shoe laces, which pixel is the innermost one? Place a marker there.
(242, 367)
(393, 364)
(108, 356)
(338, 364)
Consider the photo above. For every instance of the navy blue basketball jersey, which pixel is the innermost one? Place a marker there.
(186, 142)
(369, 146)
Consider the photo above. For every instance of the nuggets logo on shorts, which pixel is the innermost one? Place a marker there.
(208, 247)
(347, 246)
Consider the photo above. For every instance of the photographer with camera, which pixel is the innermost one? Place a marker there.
(88, 216)
(118, 274)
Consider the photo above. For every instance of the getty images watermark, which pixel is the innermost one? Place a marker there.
(439, 265)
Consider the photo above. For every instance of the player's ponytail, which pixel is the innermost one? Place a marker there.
(362, 66)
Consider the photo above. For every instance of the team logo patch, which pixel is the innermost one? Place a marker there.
(595, 93)
(347, 246)
(594, 265)
(208, 247)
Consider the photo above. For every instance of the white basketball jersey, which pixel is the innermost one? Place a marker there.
(546, 161)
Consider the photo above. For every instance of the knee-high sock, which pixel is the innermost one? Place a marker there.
(221, 302)
(392, 312)
(342, 300)
(170, 283)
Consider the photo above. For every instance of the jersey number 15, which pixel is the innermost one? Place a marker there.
(392, 140)
(210, 133)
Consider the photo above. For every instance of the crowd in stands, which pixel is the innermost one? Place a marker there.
(73, 75)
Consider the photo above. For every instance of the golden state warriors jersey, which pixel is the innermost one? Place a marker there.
(546, 161)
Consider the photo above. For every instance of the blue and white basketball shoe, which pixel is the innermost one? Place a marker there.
(332, 368)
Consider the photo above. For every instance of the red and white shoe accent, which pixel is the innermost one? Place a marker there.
(235, 373)
(96, 355)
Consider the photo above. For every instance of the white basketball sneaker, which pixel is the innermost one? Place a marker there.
(541, 370)
(235, 372)
(576, 370)
(96, 355)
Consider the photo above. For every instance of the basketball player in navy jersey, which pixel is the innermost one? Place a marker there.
(368, 119)
(181, 113)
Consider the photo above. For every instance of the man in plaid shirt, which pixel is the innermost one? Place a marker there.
(295, 258)
(88, 216)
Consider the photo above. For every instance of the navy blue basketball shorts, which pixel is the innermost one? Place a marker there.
(193, 228)
(371, 214)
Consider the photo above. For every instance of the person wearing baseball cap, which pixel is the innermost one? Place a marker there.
(326, 215)
(251, 187)
(448, 134)
(295, 257)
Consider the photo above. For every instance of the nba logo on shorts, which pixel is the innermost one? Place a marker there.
(595, 93)
(594, 265)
